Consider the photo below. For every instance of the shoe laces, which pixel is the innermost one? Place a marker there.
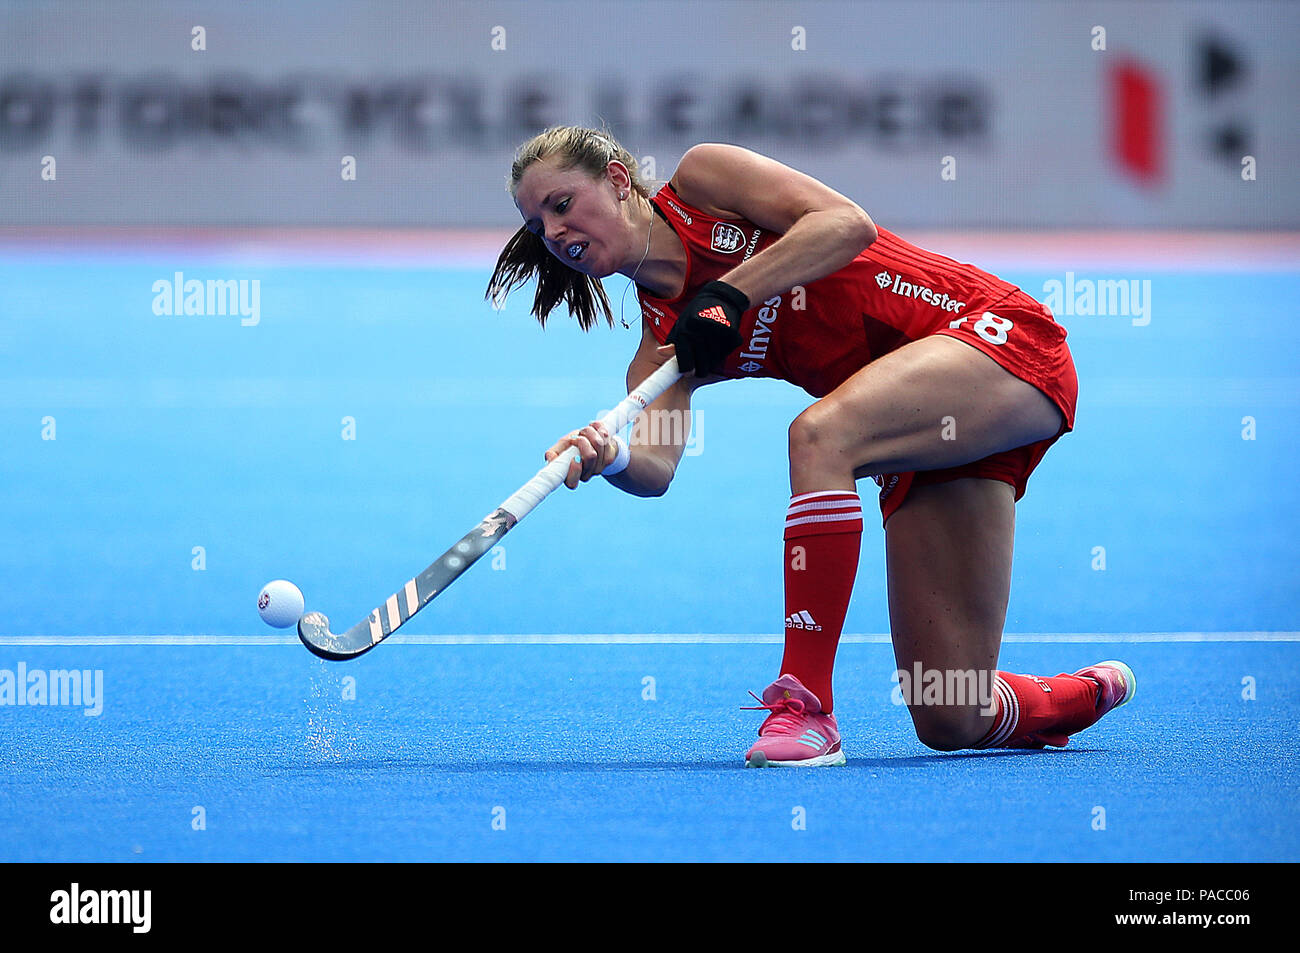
(785, 717)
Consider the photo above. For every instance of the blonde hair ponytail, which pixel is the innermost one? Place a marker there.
(525, 255)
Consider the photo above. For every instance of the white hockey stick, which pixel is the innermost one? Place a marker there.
(384, 620)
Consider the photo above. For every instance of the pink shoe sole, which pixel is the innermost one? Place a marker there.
(831, 759)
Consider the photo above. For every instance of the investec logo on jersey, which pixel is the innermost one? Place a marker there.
(761, 337)
(907, 289)
(727, 238)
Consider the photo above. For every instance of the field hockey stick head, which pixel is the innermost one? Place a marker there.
(314, 632)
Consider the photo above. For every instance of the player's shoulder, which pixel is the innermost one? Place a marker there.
(706, 171)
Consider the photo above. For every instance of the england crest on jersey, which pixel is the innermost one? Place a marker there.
(727, 238)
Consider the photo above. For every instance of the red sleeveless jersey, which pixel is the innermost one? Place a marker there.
(890, 294)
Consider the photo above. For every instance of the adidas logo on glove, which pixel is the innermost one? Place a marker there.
(715, 313)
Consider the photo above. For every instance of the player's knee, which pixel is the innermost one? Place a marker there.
(811, 432)
(948, 731)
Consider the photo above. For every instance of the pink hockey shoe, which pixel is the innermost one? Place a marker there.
(797, 733)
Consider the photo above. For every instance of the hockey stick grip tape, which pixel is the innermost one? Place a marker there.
(549, 477)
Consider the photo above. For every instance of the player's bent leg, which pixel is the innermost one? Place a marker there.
(948, 557)
(948, 550)
(931, 404)
(934, 403)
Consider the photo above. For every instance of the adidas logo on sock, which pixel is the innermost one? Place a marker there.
(802, 620)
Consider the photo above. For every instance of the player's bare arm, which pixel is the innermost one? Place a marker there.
(652, 464)
(822, 230)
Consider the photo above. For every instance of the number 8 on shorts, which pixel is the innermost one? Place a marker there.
(991, 327)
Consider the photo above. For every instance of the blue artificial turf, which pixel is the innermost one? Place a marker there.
(559, 741)
(195, 459)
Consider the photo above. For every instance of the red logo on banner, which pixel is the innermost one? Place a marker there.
(1137, 133)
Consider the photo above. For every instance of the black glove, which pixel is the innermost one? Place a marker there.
(707, 329)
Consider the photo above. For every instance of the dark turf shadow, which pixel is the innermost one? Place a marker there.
(939, 757)
(644, 767)
(511, 767)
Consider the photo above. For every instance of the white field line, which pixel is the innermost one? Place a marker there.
(635, 639)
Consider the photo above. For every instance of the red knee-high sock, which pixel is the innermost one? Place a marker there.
(1032, 710)
(823, 535)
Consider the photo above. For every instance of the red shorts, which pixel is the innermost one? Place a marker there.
(1022, 336)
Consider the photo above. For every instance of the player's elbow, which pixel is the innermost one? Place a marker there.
(664, 478)
(860, 227)
(649, 491)
(661, 486)
(648, 476)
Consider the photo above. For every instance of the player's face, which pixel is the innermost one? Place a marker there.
(577, 216)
